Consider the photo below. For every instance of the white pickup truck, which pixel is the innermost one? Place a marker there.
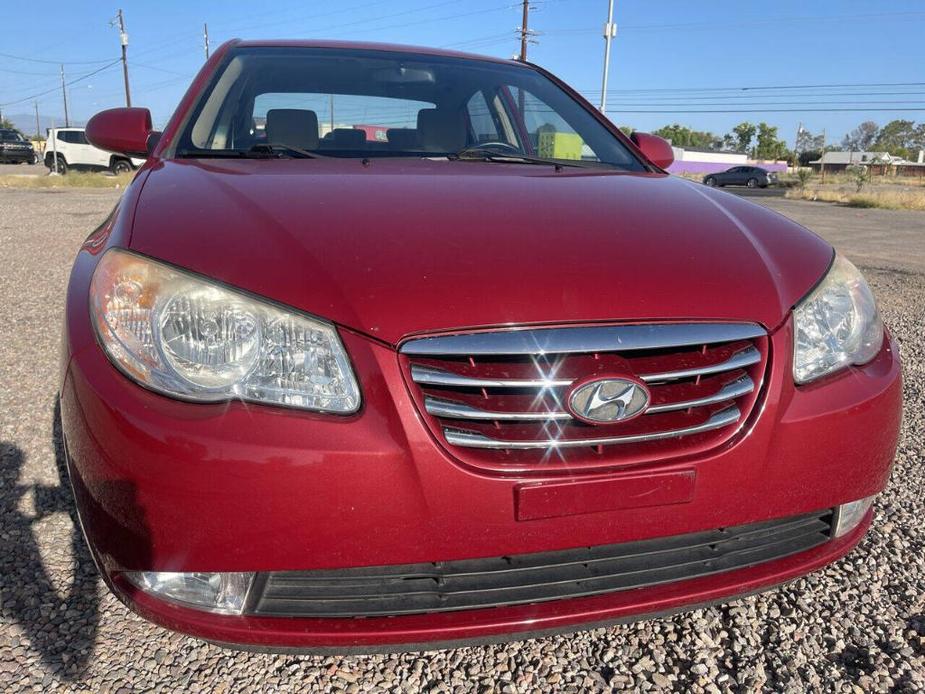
(73, 151)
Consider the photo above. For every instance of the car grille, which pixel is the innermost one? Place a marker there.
(530, 578)
(499, 399)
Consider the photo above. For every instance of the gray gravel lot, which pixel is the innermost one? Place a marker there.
(858, 625)
(23, 169)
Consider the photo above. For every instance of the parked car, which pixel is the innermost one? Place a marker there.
(494, 374)
(751, 176)
(73, 151)
(14, 148)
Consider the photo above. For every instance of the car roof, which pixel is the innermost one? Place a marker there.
(369, 46)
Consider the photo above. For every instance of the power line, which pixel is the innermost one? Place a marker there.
(775, 110)
(756, 87)
(52, 62)
(774, 104)
(24, 72)
(750, 98)
(159, 69)
(67, 84)
(772, 20)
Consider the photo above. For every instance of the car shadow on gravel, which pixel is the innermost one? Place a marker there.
(60, 626)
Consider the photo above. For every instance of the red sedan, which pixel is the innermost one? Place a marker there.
(398, 348)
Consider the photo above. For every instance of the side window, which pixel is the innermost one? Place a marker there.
(550, 134)
(481, 120)
(62, 135)
(80, 138)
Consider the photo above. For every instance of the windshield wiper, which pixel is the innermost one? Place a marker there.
(261, 151)
(483, 154)
(284, 150)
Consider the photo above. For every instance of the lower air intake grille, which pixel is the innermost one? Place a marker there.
(528, 578)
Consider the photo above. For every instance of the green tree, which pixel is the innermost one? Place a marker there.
(7, 124)
(862, 137)
(744, 132)
(897, 137)
(806, 141)
(918, 137)
(860, 174)
(769, 145)
(809, 155)
(682, 136)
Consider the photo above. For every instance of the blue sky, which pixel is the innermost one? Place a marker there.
(664, 54)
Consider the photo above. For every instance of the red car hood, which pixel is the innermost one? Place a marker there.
(408, 246)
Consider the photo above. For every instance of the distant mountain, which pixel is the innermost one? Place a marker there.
(25, 122)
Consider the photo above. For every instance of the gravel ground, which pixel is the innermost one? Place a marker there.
(858, 625)
(23, 169)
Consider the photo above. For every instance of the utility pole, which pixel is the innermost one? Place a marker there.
(123, 40)
(38, 131)
(205, 37)
(67, 122)
(524, 31)
(822, 158)
(610, 31)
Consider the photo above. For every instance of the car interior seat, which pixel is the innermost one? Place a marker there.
(441, 130)
(292, 126)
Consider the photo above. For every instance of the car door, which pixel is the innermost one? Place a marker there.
(728, 176)
(92, 155)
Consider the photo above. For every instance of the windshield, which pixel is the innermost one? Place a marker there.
(11, 136)
(373, 103)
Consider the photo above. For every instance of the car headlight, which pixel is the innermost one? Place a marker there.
(836, 326)
(186, 337)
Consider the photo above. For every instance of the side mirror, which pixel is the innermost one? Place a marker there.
(655, 149)
(122, 130)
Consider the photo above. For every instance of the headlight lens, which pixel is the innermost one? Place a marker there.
(186, 337)
(836, 326)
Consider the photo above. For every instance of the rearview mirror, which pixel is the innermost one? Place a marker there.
(655, 149)
(122, 130)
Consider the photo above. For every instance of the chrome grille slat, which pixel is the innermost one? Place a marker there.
(457, 410)
(580, 340)
(469, 439)
(426, 375)
(747, 357)
(730, 391)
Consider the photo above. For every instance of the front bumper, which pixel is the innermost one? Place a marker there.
(17, 155)
(164, 485)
